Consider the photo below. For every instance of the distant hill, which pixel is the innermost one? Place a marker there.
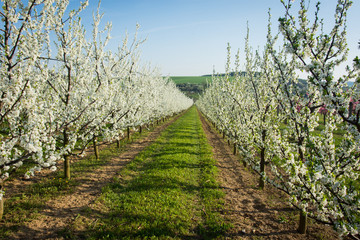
(243, 73)
(191, 79)
(193, 86)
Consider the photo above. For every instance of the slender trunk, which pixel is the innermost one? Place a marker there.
(1, 203)
(324, 119)
(128, 133)
(118, 143)
(262, 169)
(351, 106)
(244, 163)
(66, 157)
(2, 207)
(302, 223)
(7, 54)
(66, 137)
(96, 149)
(262, 160)
(303, 215)
(67, 167)
(235, 149)
(228, 142)
(140, 129)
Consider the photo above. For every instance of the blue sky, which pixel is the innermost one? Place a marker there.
(189, 37)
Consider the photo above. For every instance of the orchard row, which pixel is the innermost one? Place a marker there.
(61, 88)
(275, 119)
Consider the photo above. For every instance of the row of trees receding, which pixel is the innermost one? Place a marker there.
(276, 124)
(61, 89)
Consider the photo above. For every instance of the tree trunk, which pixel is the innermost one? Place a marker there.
(262, 160)
(244, 163)
(118, 143)
(140, 129)
(303, 215)
(235, 149)
(67, 167)
(324, 119)
(262, 169)
(1, 202)
(1, 207)
(96, 149)
(66, 157)
(128, 133)
(351, 106)
(302, 223)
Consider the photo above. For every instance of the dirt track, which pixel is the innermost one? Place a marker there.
(255, 214)
(60, 213)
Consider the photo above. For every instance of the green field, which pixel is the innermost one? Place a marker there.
(191, 79)
(192, 86)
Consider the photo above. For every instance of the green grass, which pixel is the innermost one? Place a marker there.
(191, 79)
(25, 206)
(168, 191)
(338, 133)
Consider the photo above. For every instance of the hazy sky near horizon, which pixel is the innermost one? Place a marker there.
(189, 37)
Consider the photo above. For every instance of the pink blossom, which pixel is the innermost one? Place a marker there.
(323, 110)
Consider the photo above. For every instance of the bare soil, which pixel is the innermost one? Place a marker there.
(255, 213)
(62, 213)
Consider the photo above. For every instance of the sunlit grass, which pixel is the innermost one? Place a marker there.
(24, 207)
(168, 192)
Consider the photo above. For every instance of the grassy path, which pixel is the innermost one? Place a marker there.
(49, 207)
(167, 192)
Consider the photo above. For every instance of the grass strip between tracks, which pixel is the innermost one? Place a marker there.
(168, 191)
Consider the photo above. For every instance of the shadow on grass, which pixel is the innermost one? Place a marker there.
(168, 192)
(141, 226)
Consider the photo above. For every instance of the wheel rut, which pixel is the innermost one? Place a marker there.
(255, 213)
(60, 213)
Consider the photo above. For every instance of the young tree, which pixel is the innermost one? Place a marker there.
(323, 172)
(72, 91)
(320, 174)
(25, 27)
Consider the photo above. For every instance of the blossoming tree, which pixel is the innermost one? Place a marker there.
(61, 90)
